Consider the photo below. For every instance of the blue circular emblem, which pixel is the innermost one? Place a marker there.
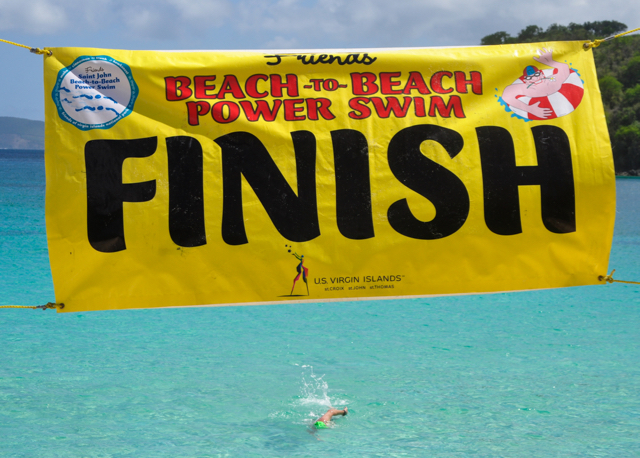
(95, 92)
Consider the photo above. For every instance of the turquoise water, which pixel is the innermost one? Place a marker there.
(533, 374)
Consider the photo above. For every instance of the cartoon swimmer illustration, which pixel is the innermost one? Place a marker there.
(544, 93)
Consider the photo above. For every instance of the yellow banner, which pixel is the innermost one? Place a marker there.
(219, 178)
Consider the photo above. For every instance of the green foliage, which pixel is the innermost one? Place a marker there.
(618, 66)
(619, 60)
(498, 38)
(621, 117)
(531, 33)
(557, 32)
(611, 90)
(602, 29)
(630, 74)
(632, 96)
(612, 56)
(626, 145)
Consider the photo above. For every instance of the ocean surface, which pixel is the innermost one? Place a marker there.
(533, 374)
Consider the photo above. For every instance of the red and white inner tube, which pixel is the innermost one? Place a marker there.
(560, 103)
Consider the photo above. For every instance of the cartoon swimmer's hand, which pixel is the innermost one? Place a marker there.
(542, 113)
(546, 57)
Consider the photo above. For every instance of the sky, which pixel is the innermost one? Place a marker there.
(262, 24)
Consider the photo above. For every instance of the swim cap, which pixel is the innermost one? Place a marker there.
(530, 70)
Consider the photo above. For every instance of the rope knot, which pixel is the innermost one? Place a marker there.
(40, 51)
(593, 44)
(607, 278)
(49, 305)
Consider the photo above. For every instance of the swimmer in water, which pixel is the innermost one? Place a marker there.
(326, 418)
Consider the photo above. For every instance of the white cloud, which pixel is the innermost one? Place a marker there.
(201, 13)
(147, 22)
(282, 43)
(304, 23)
(39, 17)
(358, 23)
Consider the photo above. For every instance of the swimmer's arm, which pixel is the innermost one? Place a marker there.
(510, 97)
(563, 72)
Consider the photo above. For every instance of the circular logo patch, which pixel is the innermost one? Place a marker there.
(95, 92)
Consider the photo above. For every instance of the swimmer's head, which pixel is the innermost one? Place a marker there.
(530, 73)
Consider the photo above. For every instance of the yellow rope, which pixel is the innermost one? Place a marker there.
(16, 307)
(596, 43)
(609, 279)
(33, 50)
(48, 305)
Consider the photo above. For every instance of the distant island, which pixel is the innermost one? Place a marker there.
(19, 133)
